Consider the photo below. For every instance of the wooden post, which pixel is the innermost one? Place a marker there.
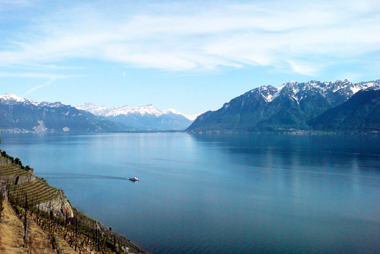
(26, 234)
(58, 240)
(96, 239)
(76, 233)
(26, 207)
(114, 241)
(38, 213)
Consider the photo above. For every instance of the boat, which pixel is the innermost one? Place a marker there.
(133, 179)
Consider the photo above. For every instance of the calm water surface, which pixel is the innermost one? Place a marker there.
(219, 193)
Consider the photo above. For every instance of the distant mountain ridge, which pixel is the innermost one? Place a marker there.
(289, 107)
(21, 115)
(141, 117)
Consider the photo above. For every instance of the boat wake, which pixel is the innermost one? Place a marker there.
(84, 176)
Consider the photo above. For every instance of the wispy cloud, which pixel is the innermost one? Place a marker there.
(282, 34)
(51, 78)
(34, 75)
(48, 83)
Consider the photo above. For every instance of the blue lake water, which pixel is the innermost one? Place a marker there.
(219, 193)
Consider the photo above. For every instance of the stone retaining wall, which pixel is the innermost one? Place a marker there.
(3, 190)
(18, 179)
(4, 161)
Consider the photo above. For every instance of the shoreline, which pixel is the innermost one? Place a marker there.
(205, 131)
(108, 230)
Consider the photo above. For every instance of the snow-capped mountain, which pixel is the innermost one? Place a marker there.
(287, 107)
(11, 99)
(22, 115)
(336, 92)
(173, 111)
(141, 117)
(127, 110)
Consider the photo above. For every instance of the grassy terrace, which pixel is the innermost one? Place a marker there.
(37, 191)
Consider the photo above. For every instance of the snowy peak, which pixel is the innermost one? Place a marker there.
(92, 108)
(142, 110)
(170, 111)
(173, 111)
(11, 98)
(51, 105)
(145, 117)
(268, 92)
(122, 110)
(298, 91)
(145, 110)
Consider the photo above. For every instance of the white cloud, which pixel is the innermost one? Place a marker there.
(274, 33)
(304, 68)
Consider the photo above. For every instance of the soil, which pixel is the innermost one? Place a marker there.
(12, 234)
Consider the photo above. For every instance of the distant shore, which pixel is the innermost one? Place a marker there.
(284, 132)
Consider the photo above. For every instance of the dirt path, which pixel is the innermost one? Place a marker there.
(12, 236)
(11, 232)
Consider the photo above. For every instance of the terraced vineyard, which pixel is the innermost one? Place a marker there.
(36, 192)
(10, 169)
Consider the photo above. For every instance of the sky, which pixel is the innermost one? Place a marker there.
(191, 56)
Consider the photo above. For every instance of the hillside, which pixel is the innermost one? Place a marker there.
(360, 113)
(37, 218)
(288, 107)
(12, 235)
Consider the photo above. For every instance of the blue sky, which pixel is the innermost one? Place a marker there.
(192, 56)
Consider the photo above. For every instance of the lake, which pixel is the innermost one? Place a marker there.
(245, 193)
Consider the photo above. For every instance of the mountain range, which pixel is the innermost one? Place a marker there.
(292, 106)
(141, 117)
(21, 115)
(323, 106)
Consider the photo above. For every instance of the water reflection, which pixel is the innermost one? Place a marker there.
(307, 151)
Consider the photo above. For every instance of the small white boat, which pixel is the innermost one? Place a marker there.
(133, 179)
